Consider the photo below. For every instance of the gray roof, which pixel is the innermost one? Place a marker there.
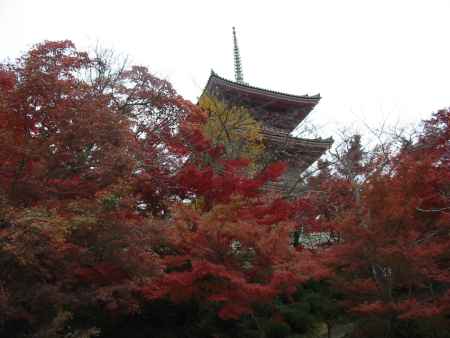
(215, 79)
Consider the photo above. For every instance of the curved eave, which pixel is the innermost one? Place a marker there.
(217, 81)
(284, 139)
(300, 153)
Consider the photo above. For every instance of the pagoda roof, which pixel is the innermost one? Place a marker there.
(216, 80)
(299, 152)
(271, 108)
(278, 114)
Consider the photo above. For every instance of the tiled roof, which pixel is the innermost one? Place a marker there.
(214, 78)
(281, 136)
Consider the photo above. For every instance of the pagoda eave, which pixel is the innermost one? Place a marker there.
(275, 109)
(300, 153)
(272, 108)
(283, 139)
(216, 80)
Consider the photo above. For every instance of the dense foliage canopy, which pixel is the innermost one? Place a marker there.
(122, 215)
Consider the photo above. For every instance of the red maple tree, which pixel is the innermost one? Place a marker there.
(105, 196)
(230, 241)
(80, 140)
(390, 232)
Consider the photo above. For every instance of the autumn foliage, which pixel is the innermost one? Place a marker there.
(107, 202)
(72, 162)
(122, 215)
(390, 232)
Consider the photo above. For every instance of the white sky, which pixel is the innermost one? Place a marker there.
(370, 60)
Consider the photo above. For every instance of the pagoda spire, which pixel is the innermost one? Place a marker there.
(238, 75)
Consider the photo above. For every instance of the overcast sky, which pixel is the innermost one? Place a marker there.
(370, 60)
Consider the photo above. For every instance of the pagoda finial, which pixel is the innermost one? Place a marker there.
(237, 60)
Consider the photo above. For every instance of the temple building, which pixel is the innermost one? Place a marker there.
(278, 114)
